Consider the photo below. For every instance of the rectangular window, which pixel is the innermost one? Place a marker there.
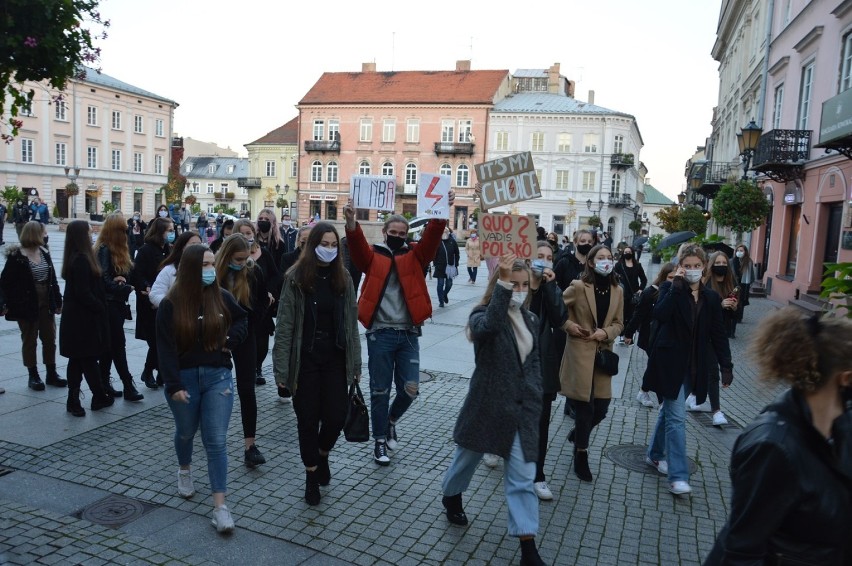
(561, 179)
(210, 188)
(270, 168)
(501, 141)
(793, 239)
(294, 168)
(846, 64)
(244, 191)
(388, 130)
(158, 164)
(559, 224)
(805, 93)
(61, 149)
(223, 188)
(26, 150)
(412, 130)
(137, 124)
(465, 131)
(777, 107)
(366, 130)
(92, 157)
(92, 116)
(590, 143)
(537, 142)
(448, 128)
(588, 180)
(564, 144)
(334, 130)
(116, 120)
(62, 110)
(159, 128)
(116, 160)
(319, 130)
(194, 188)
(27, 109)
(137, 162)
(618, 144)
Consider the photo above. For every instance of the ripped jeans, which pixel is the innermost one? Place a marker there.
(211, 398)
(394, 358)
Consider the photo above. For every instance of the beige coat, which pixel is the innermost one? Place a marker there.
(577, 372)
(474, 252)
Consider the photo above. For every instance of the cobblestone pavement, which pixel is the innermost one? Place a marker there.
(369, 514)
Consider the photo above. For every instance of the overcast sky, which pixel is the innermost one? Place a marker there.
(237, 69)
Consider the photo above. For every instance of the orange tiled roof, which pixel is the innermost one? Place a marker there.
(406, 87)
(286, 134)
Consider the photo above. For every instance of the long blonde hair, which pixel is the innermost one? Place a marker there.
(237, 282)
(517, 265)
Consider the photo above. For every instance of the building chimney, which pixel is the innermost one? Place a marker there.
(463, 65)
(591, 97)
(553, 79)
(368, 67)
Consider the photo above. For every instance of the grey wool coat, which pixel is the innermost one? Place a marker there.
(504, 395)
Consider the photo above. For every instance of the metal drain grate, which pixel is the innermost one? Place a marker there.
(5, 471)
(706, 419)
(632, 457)
(114, 511)
(425, 376)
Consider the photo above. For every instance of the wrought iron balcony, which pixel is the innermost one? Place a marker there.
(224, 197)
(450, 148)
(330, 146)
(621, 160)
(706, 177)
(617, 200)
(248, 182)
(781, 154)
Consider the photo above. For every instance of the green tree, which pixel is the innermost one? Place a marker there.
(691, 218)
(740, 206)
(669, 218)
(44, 40)
(12, 194)
(635, 226)
(594, 221)
(837, 287)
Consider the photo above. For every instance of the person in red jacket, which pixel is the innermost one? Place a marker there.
(393, 305)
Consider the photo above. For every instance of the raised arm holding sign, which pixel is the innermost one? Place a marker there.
(372, 192)
(502, 234)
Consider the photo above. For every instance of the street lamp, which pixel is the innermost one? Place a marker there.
(681, 197)
(73, 173)
(600, 206)
(747, 141)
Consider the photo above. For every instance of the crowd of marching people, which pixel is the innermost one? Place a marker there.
(207, 302)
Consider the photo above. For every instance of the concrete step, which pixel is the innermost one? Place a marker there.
(807, 306)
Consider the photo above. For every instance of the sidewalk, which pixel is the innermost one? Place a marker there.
(53, 466)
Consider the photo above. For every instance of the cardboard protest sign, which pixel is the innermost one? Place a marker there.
(433, 196)
(373, 192)
(500, 234)
(507, 180)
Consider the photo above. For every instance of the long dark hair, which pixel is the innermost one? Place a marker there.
(157, 230)
(589, 275)
(191, 299)
(177, 249)
(241, 286)
(78, 242)
(304, 272)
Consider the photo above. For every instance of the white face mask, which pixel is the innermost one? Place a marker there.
(693, 275)
(326, 255)
(740, 255)
(518, 298)
(163, 213)
(604, 266)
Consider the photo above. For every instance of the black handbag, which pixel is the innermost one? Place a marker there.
(606, 361)
(357, 425)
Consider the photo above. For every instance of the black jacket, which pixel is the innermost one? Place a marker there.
(447, 254)
(18, 290)
(551, 316)
(288, 236)
(642, 316)
(145, 269)
(567, 269)
(114, 291)
(84, 326)
(792, 491)
(20, 214)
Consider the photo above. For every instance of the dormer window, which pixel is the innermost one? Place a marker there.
(211, 168)
(230, 169)
(189, 167)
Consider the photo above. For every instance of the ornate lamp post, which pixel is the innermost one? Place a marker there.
(747, 141)
(597, 212)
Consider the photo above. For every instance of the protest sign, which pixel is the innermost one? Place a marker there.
(507, 180)
(433, 198)
(500, 234)
(372, 192)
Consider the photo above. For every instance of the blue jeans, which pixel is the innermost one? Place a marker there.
(518, 478)
(669, 439)
(211, 398)
(471, 271)
(394, 359)
(444, 286)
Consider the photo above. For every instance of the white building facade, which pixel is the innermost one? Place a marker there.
(213, 181)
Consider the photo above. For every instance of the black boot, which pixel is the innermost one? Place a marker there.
(35, 382)
(73, 405)
(581, 465)
(529, 554)
(323, 471)
(108, 388)
(455, 511)
(148, 379)
(52, 377)
(100, 399)
(312, 492)
(130, 392)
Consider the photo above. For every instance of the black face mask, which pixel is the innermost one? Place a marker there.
(264, 225)
(584, 249)
(46, 238)
(719, 269)
(627, 256)
(395, 242)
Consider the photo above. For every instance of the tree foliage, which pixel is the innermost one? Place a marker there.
(740, 206)
(594, 221)
(635, 226)
(669, 218)
(12, 194)
(44, 40)
(176, 182)
(692, 218)
(837, 287)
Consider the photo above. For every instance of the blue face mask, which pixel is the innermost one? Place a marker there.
(236, 267)
(170, 237)
(208, 276)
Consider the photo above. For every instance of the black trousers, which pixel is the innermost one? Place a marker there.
(151, 361)
(244, 365)
(589, 415)
(78, 367)
(261, 339)
(117, 353)
(320, 401)
(543, 434)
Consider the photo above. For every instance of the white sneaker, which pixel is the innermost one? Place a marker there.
(185, 487)
(542, 491)
(719, 419)
(702, 408)
(620, 341)
(491, 460)
(644, 397)
(680, 488)
(690, 402)
(222, 519)
(659, 465)
(390, 439)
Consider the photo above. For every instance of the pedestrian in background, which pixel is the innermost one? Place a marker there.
(39, 212)
(744, 275)
(289, 259)
(446, 264)
(163, 211)
(632, 278)
(288, 233)
(136, 228)
(30, 296)
(3, 211)
(168, 268)
(84, 327)
(20, 216)
(269, 236)
(501, 411)
(317, 351)
(201, 226)
(594, 304)
(198, 325)
(473, 249)
(791, 469)
(227, 230)
(115, 264)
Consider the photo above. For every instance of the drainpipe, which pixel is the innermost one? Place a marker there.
(764, 72)
(600, 190)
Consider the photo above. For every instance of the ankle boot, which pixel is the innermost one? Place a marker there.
(73, 405)
(35, 382)
(148, 378)
(455, 510)
(312, 492)
(323, 471)
(52, 377)
(100, 399)
(581, 465)
(130, 392)
(108, 388)
(529, 554)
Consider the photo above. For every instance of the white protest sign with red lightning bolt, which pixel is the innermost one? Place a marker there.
(433, 196)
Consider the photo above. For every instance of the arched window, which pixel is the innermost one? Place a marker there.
(610, 227)
(411, 175)
(462, 175)
(615, 186)
(387, 169)
(316, 172)
(331, 172)
(364, 168)
(446, 169)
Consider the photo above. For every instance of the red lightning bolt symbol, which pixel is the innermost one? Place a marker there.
(432, 185)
